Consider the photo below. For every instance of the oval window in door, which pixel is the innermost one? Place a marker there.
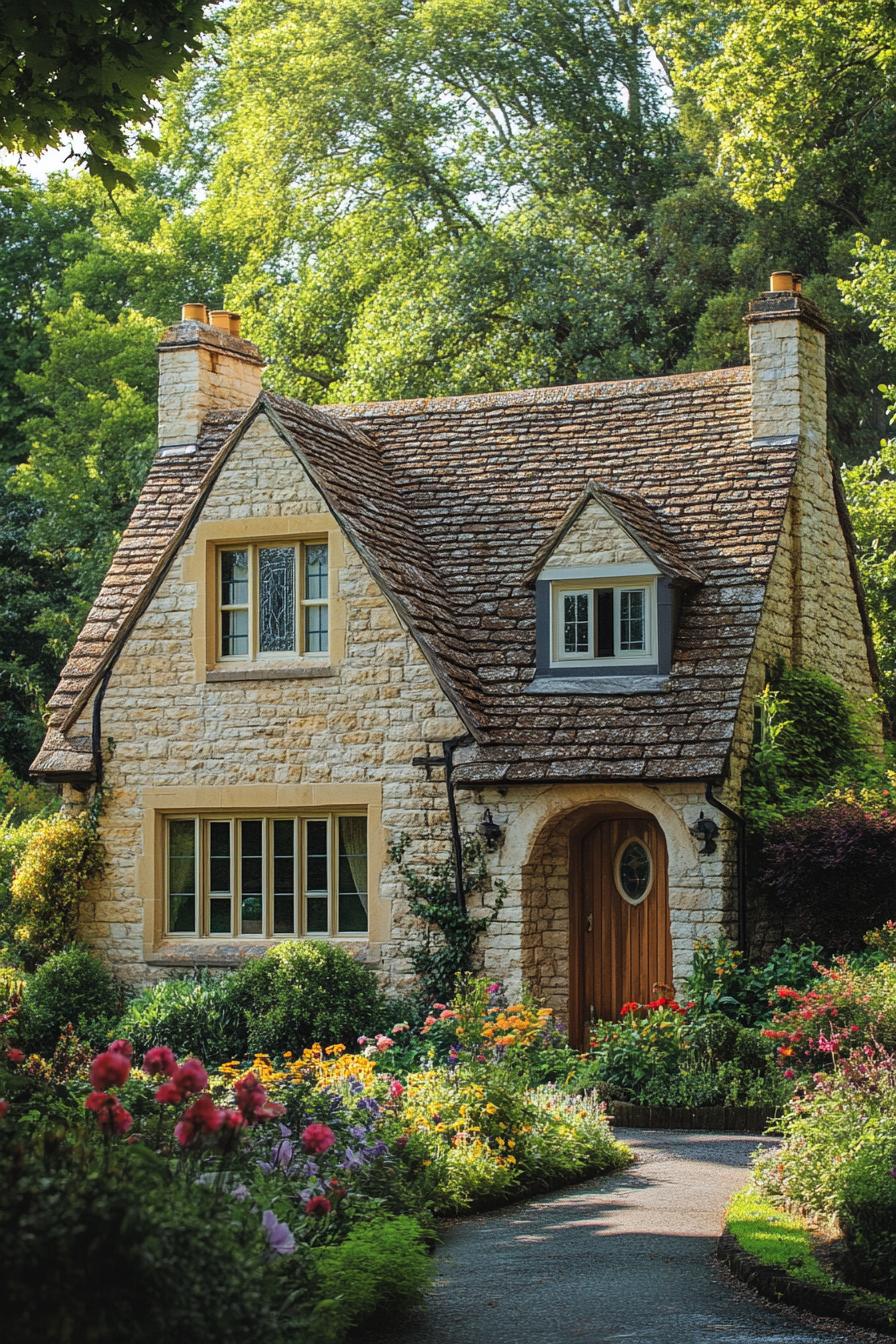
(633, 871)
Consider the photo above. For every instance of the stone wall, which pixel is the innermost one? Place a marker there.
(202, 369)
(596, 538)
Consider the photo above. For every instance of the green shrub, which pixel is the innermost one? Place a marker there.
(72, 986)
(14, 838)
(867, 1210)
(380, 1264)
(60, 858)
(302, 992)
(194, 1015)
(721, 982)
(98, 1247)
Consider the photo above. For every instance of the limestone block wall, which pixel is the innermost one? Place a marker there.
(595, 538)
(176, 736)
(202, 369)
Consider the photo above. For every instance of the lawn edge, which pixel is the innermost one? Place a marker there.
(853, 1305)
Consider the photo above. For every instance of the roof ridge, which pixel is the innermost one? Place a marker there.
(537, 396)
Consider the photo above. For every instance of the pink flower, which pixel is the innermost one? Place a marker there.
(109, 1069)
(447, 1014)
(122, 1048)
(318, 1206)
(429, 1021)
(494, 988)
(15, 1056)
(395, 1089)
(232, 1120)
(437, 1007)
(789, 1073)
(202, 1118)
(317, 1137)
(191, 1077)
(362, 1040)
(384, 1042)
(252, 1100)
(111, 1116)
(168, 1095)
(159, 1060)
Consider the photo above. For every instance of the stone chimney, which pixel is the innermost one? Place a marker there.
(204, 365)
(787, 361)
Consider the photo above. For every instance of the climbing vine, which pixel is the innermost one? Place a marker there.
(447, 934)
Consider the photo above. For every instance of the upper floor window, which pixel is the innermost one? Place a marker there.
(592, 622)
(273, 600)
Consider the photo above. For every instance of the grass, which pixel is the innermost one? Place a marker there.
(784, 1241)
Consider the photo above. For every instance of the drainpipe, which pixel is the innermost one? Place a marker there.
(446, 760)
(740, 862)
(96, 733)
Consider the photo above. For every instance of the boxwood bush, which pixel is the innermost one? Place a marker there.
(302, 992)
(194, 1015)
(71, 986)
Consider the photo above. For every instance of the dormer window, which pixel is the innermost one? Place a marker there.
(599, 622)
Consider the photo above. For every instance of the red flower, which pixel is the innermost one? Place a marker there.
(785, 992)
(15, 1056)
(190, 1077)
(252, 1100)
(109, 1069)
(631, 1007)
(111, 1116)
(4, 1107)
(168, 1094)
(122, 1048)
(395, 1089)
(159, 1060)
(318, 1206)
(202, 1118)
(317, 1137)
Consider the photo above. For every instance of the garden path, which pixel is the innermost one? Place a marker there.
(628, 1258)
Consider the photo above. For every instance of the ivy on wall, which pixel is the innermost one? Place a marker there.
(811, 739)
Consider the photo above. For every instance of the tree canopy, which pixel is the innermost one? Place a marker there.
(410, 199)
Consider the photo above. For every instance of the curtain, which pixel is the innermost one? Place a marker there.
(353, 848)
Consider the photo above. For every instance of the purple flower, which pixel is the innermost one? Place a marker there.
(355, 1086)
(280, 1240)
(281, 1157)
(378, 1149)
(353, 1161)
(369, 1104)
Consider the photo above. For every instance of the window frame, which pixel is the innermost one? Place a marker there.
(202, 820)
(256, 655)
(591, 584)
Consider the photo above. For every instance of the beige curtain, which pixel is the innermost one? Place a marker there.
(353, 846)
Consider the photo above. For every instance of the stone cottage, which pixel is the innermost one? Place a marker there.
(543, 613)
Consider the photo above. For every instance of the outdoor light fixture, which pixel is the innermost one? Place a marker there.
(490, 831)
(705, 830)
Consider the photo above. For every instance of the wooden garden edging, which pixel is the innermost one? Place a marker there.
(715, 1119)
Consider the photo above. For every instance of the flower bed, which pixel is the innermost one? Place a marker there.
(296, 1192)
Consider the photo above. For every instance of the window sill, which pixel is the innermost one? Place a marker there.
(286, 672)
(560, 684)
(190, 954)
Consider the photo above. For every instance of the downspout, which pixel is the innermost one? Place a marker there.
(448, 749)
(740, 862)
(96, 733)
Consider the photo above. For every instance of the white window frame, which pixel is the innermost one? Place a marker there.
(618, 584)
(202, 875)
(302, 603)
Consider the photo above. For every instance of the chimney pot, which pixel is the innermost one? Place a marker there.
(220, 318)
(782, 282)
(194, 312)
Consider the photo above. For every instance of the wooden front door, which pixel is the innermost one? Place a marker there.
(621, 940)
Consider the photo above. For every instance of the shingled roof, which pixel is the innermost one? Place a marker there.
(451, 501)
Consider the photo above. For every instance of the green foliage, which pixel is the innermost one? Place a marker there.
(60, 858)
(197, 1015)
(450, 933)
(773, 1236)
(380, 1265)
(722, 982)
(302, 992)
(94, 69)
(813, 739)
(183, 1257)
(70, 987)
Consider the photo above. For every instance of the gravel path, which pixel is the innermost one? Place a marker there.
(626, 1258)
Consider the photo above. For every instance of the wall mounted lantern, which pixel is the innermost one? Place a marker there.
(705, 830)
(490, 831)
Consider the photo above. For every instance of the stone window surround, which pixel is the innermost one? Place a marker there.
(201, 568)
(159, 804)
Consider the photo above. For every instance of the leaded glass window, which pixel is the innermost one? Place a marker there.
(276, 599)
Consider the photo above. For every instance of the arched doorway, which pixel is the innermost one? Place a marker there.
(620, 938)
